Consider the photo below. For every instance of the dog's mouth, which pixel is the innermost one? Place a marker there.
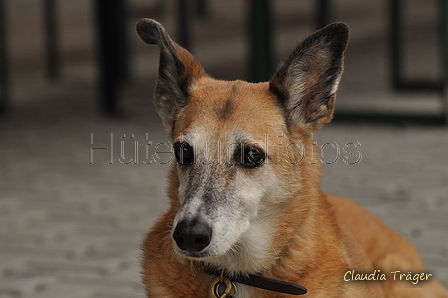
(195, 256)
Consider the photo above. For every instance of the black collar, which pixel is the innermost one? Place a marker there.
(265, 283)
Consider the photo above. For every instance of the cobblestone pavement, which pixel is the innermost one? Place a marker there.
(72, 218)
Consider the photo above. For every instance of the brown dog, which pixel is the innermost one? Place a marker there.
(246, 203)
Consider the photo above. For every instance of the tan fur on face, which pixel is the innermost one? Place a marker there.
(223, 112)
(217, 104)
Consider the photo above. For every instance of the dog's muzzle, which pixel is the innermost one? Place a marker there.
(192, 235)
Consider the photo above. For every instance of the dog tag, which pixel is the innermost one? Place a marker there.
(213, 291)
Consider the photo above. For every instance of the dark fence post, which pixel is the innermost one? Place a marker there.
(111, 18)
(260, 36)
(51, 39)
(4, 68)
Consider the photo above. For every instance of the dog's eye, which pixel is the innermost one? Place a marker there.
(252, 157)
(184, 153)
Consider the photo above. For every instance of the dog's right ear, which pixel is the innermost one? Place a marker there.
(178, 70)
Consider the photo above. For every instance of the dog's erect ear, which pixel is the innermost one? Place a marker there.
(306, 83)
(178, 70)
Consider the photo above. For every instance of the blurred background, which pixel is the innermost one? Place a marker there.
(84, 156)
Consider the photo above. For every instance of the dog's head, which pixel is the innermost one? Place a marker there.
(241, 147)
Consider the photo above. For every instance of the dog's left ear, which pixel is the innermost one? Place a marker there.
(178, 70)
(306, 83)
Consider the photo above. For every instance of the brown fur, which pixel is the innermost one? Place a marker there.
(317, 238)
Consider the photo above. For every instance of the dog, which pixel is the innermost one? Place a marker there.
(247, 216)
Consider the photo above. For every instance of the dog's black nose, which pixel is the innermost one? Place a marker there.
(193, 235)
